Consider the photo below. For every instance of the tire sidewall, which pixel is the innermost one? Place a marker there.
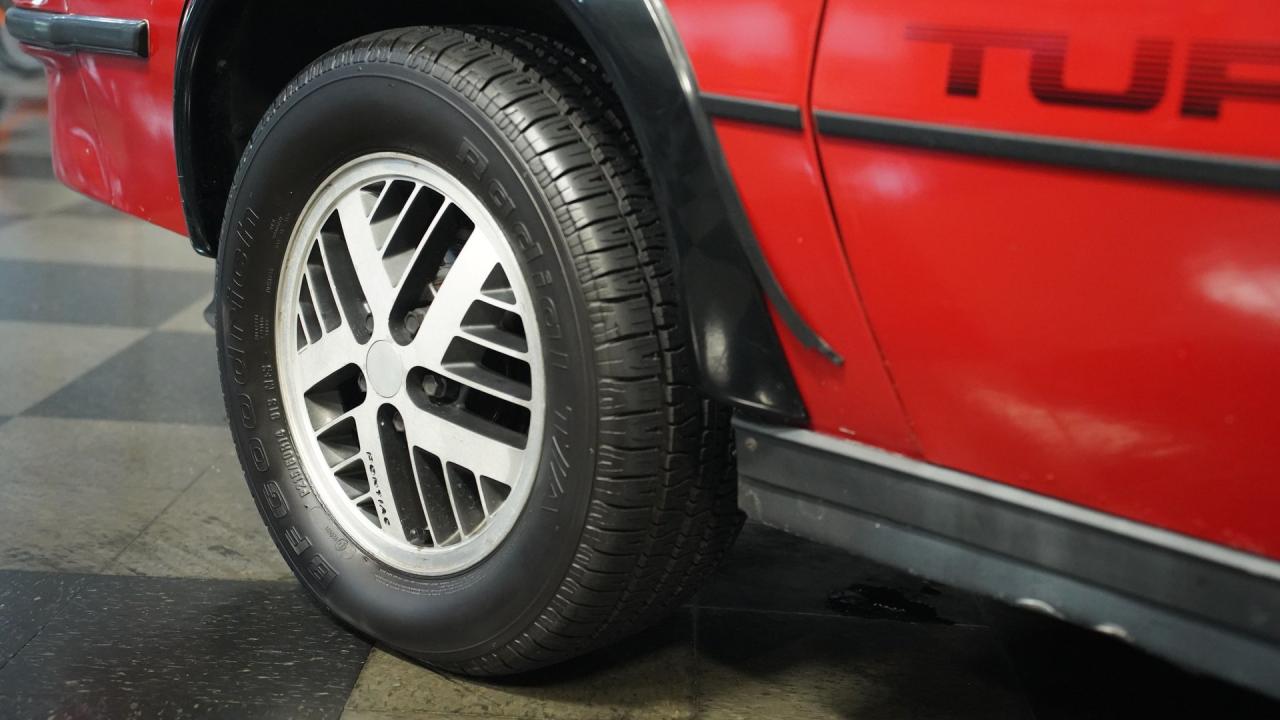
(324, 122)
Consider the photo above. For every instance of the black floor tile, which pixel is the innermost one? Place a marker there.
(89, 294)
(26, 167)
(772, 665)
(1070, 673)
(120, 707)
(165, 647)
(28, 600)
(768, 569)
(165, 377)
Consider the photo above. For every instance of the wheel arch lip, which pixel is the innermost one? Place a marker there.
(201, 227)
(727, 284)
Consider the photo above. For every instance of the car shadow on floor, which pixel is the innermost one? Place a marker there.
(792, 629)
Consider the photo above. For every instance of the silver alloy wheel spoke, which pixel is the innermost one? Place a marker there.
(327, 355)
(411, 364)
(484, 456)
(371, 451)
(402, 276)
(460, 289)
(365, 257)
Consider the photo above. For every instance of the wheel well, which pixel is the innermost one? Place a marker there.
(242, 56)
(235, 57)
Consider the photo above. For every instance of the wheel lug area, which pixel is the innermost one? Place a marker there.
(413, 321)
(436, 389)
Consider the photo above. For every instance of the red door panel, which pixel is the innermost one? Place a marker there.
(113, 116)
(763, 50)
(1106, 339)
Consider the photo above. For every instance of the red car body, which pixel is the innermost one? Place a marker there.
(1040, 241)
(1102, 339)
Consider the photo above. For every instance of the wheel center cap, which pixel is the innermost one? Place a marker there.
(384, 368)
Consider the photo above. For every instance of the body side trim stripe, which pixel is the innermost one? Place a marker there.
(1185, 166)
(1162, 163)
(61, 32)
(1217, 554)
(761, 112)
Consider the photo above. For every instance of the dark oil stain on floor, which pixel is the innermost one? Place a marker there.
(872, 602)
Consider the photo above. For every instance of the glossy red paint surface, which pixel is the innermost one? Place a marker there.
(760, 49)
(1104, 339)
(112, 117)
(46, 5)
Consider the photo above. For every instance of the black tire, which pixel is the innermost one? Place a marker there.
(621, 527)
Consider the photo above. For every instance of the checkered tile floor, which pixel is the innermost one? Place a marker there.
(137, 581)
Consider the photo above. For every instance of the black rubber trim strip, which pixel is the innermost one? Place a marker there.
(202, 224)
(1204, 168)
(66, 33)
(761, 112)
(999, 540)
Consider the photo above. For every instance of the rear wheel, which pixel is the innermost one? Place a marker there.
(452, 353)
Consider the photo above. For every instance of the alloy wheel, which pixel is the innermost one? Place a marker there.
(410, 364)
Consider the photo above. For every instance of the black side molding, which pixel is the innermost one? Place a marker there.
(761, 112)
(1203, 168)
(79, 32)
(1194, 602)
